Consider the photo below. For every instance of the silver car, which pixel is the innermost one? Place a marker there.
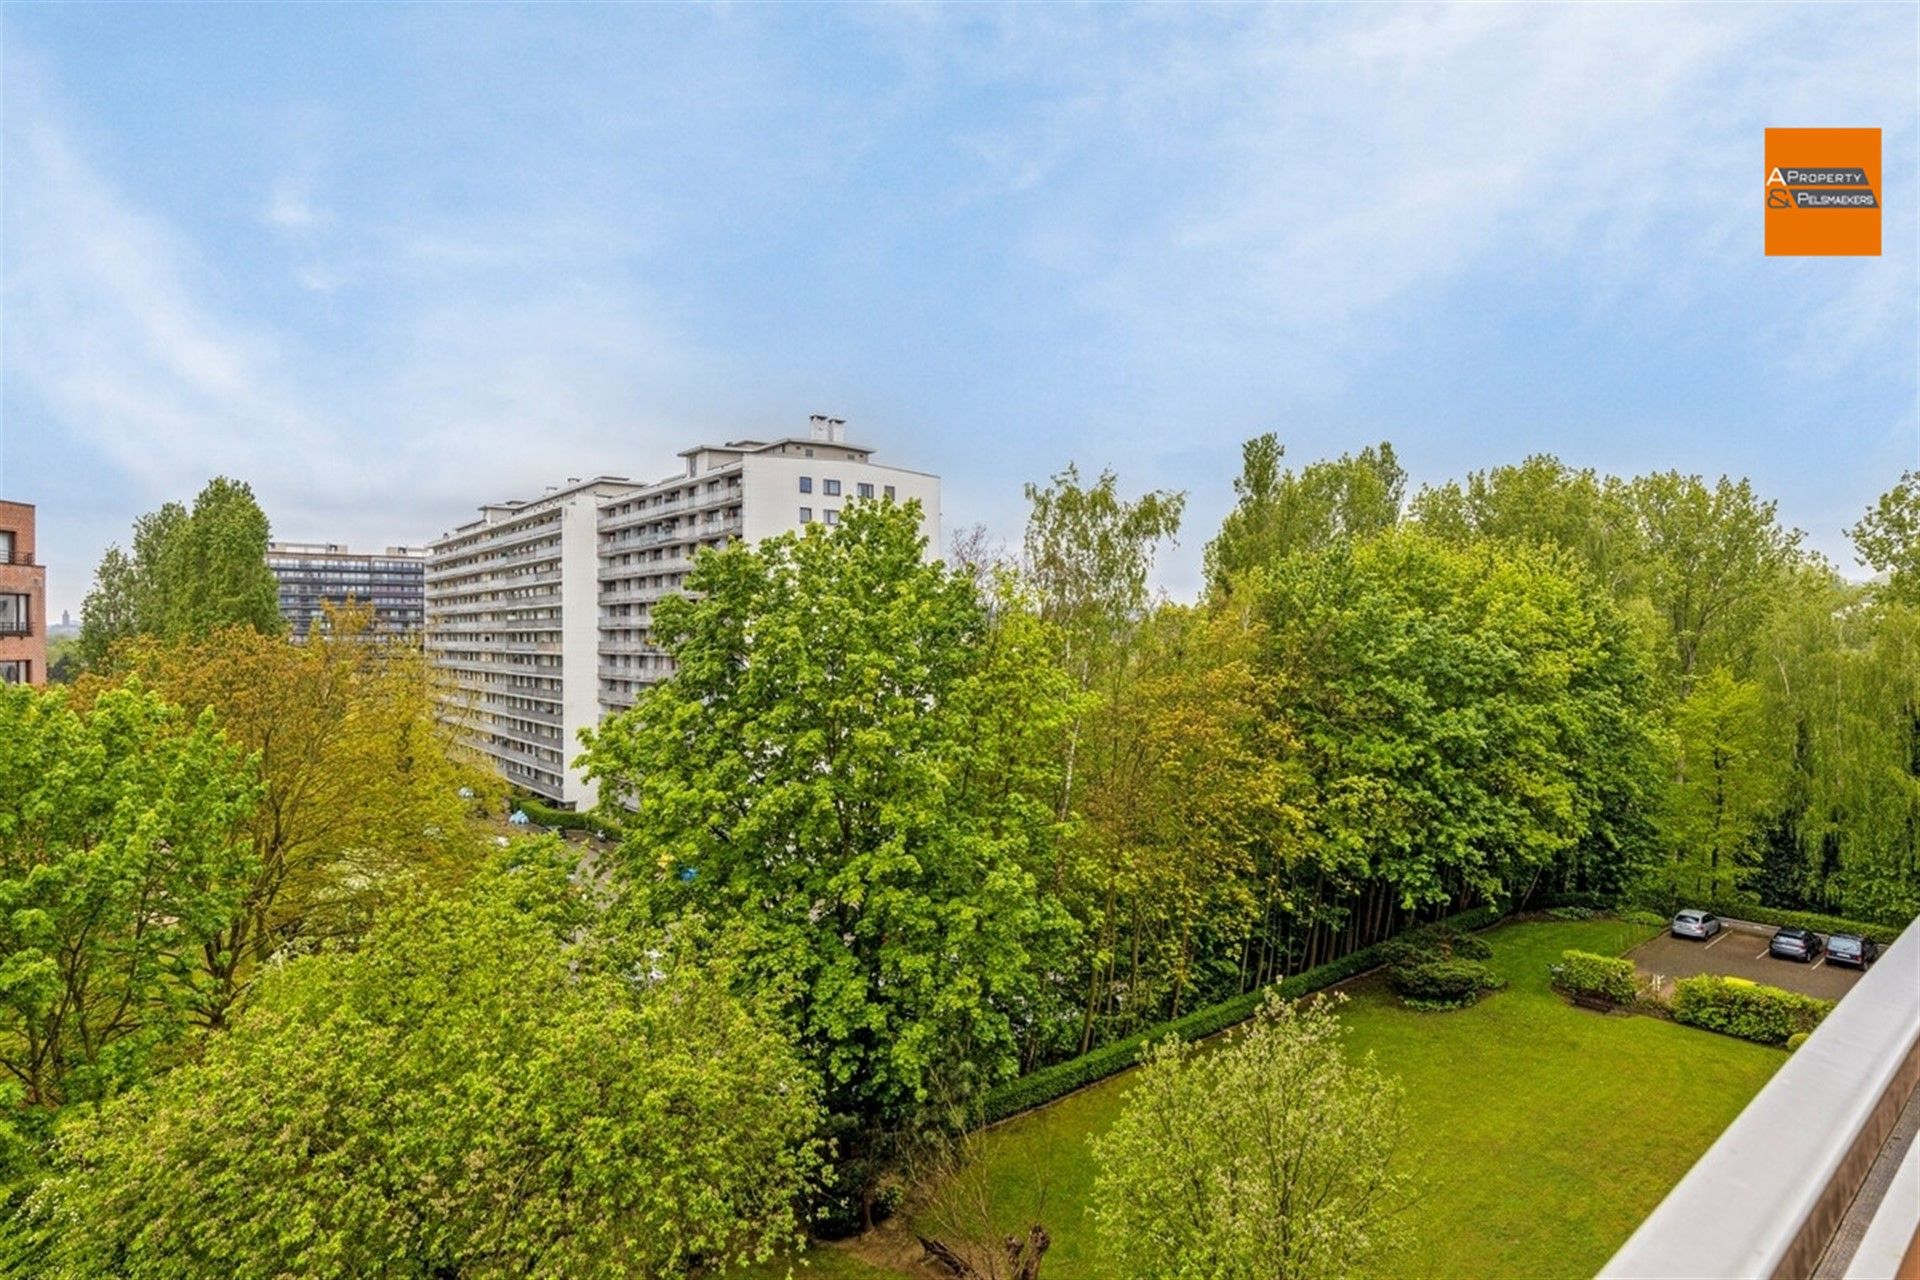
(1696, 924)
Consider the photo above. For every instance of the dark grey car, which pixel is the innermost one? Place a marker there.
(1795, 943)
(1852, 949)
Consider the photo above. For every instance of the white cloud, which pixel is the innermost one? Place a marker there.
(1324, 168)
(291, 206)
(104, 328)
(487, 380)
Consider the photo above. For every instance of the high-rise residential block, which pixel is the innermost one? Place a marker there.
(23, 599)
(313, 575)
(513, 632)
(539, 614)
(746, 489)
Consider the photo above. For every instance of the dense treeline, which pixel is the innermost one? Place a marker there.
(899, 831)
(1535, 681)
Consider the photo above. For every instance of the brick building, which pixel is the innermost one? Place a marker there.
(23, 599)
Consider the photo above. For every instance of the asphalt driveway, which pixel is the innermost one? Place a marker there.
(1740, 951)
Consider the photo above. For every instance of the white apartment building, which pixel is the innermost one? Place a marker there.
(512, 612)
(747, 489)
(539, 614)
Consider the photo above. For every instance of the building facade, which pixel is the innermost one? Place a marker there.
(23, 599)
(746, 489)
(512, 603)
(313, 575)
(539, 614)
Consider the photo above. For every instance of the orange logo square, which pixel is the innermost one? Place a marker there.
(1823, 193)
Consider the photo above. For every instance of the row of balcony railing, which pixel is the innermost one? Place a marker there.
(689, 532)
(613, 518)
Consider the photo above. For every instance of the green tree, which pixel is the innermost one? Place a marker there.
(160, 569)
(1729, 775)
(1194, 784)
(1473, 718)
(478, 1090)
(1281, 512)
(121, 855)
(1088, 554)
(1841, 678)
(221, 576)
(1715, 558)
(1271, 1156)
(1543, 502)
(191, 573)
(361, 781)
(854, 766)
(110, 612)
(1888, 537)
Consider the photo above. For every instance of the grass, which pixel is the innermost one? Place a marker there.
(1542, 1134)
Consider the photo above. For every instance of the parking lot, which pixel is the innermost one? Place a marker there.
(1740, 951)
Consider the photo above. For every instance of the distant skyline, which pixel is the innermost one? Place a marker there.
(387, 263)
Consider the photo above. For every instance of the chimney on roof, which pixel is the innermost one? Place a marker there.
(829, 430)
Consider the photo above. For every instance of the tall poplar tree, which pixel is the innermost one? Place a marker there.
(190, 573)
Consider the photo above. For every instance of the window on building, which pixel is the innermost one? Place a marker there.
(887, 489)
(806, 515)
(833, 517)
(6, 546)
(13, 614)
(865, 489)
(806, 484)
(12, 672)
(830, 487)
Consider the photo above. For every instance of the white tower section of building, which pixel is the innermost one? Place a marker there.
(539, 614)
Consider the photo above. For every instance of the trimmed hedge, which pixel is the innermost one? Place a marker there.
(1736, 909)
(1585, 973)
(1746, 1009)
(567, 819)
(1043, 1086)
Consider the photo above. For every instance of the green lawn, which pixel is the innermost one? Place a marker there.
(1542, 1134)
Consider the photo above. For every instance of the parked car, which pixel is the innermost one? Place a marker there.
(1696, 924)
(1852, 949)
(1795, 943)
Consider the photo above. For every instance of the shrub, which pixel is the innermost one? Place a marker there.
(1443, 941)
(1571, 913)
(566, 819)
(1597, 903)
(1446, 984)
(1795, 1040)
(1037, 1088)
(1752, 1012)
(1650, 919)
(1583, 973)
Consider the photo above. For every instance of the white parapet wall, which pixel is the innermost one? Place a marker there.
(1769, 1194)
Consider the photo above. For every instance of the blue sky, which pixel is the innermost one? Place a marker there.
(387, 263)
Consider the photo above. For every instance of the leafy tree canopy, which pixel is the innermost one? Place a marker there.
(854, 764)
(1888, 537)
(476, 1091)
(361, 779)
(190, 573)
(1269, 1156)
(1473, 717)
(1280, 511)
(121, 857)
